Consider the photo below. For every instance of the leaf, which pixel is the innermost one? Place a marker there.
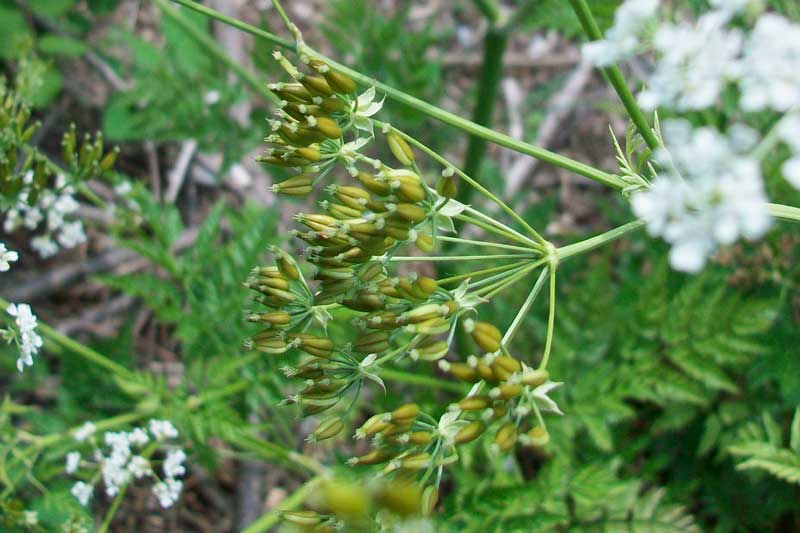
(652, 515)
(599, 432)
(102, 7)
(794, 432)
(51, 8)
(13, 30)
(64, 46)
(782, 464)
(159, 294)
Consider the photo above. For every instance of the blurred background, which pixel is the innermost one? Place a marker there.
(665, 371)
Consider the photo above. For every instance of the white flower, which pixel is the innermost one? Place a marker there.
(138, 437)
(791, 171)
(29, 340)
(622, 39)
(84, 432)
(211, 97)
(167, 492)
(543, 401)
(30, 518)
(115, 474)
(163, 429)
(709, 194)
(72, 462)
(6, 257)
(71, 234)
(449, 425)
(695, 62)
(771, 65)
(173, 464)
(82, 491)
(123, 188)
(45, 246)
(139, 467)
(364, 108)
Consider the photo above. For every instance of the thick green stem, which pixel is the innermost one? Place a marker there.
(615, 77)
(213, 49)
(584, 246)
(432, 111)
(490, 10)
(494, 47)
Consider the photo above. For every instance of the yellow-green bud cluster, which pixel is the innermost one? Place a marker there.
(311, 113)
(338, 505)
(83, 160)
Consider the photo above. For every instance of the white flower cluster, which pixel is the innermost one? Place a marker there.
(623, 38)
(697, 60)
(120, 465)
(7, 257)
(710, 193)
(789, 131)
(54, 208)
(25, 335)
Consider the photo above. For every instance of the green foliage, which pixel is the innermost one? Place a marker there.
(578, 497)
(199, 289)
(181, 93)
(763, 449)
(558, 15)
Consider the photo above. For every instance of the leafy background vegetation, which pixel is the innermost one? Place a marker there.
(682, 391)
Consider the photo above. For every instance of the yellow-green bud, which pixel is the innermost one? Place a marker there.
(470, 432)
(399, 147)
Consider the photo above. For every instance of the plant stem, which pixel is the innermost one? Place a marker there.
(456, 258)
(112, 510)
(480, 188)
(782, 212)
(238, 24)
(432, 111)
(485, 244)
(490, 10)
(271, 451)
(79, 349)
(493, 229)
(551, 321)
(213, 49)
(591, 243)
(478, 273)
(786, 213)
(494, 47)
(293, 501)
(495, 222)
(615, 77)
(399, 376)
(526, 306)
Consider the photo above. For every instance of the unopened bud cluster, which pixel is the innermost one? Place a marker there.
(350, 244)
(345, 506)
